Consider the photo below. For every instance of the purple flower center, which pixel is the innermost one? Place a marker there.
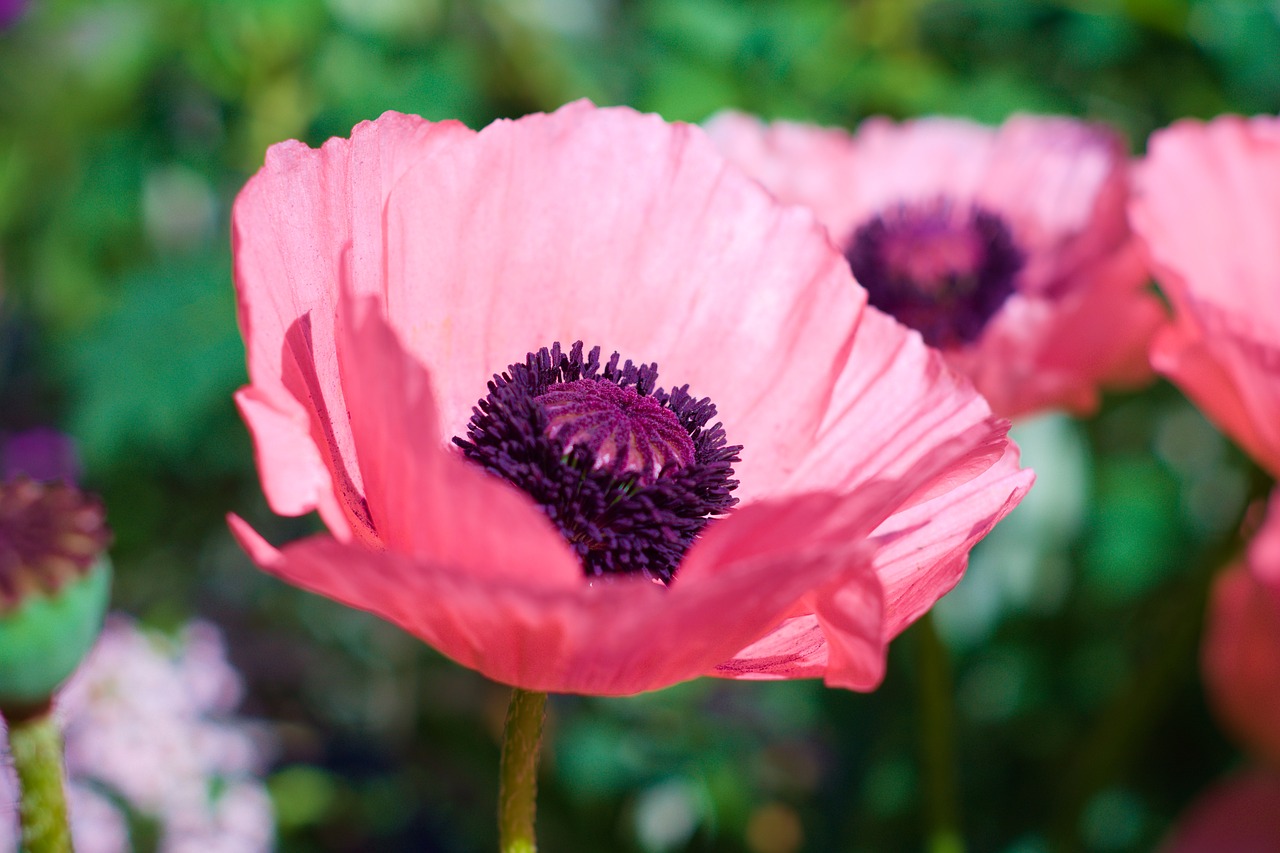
(49, 534)
(625, 431)
(628, 472)
(941, 271)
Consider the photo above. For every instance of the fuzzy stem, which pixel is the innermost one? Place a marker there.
(518, 791)
(36, 745)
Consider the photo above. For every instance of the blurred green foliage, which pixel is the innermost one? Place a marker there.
(127, 126)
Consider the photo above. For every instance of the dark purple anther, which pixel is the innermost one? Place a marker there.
(942, 271)
(628, 472)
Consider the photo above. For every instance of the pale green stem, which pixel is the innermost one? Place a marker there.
(36, 745)
(518, 786)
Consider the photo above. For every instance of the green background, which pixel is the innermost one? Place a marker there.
(126, 129)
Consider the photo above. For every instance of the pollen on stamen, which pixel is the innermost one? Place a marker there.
(939, 269)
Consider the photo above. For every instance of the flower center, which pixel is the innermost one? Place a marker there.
(940, 271)
(628, 472)
(625, 431)
(49, 534)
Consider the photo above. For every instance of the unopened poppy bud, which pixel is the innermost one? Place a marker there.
(55, 582)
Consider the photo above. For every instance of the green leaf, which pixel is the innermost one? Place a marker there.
(155, 370)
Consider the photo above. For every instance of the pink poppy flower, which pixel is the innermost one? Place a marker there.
(1237, 815)
(1240, 655)
(422, 282)
(1005, 247)
(1207, 205)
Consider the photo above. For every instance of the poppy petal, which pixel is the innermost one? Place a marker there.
(425, 499)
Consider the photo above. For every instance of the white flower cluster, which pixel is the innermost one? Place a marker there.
(150, 732)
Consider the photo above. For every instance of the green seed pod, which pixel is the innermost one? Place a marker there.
(55, 583)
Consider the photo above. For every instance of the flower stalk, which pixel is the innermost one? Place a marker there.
(36, 745)
(518, 785)
(937, 740)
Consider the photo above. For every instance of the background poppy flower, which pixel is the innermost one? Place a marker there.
(1240, 814)
(385, 279)
(1005, 247)
(1240, 661)
(1207, 205)
(1240, 657)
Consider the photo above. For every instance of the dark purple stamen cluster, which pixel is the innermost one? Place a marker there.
(628, 472)
(942, 272)
(50, 533)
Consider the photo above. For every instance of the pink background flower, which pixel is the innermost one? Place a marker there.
(384, 279)
(1241, 652)
(1240, 661)
(1240, 814)
(1207, 205)
(1078, 319)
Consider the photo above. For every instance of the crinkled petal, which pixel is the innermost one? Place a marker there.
(749, 575)
(795, 649)
(608, 638)
(851, 618)
(1207, 202)
(798, 163)
(294, 477)
(307, 221)
(918, 425)
(1207, 205)
(895, 403)
(618, 229)
(945, 503)
(841, 642)
(661, 252)
(1231, 374)
(924, 550)
(424, 499)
